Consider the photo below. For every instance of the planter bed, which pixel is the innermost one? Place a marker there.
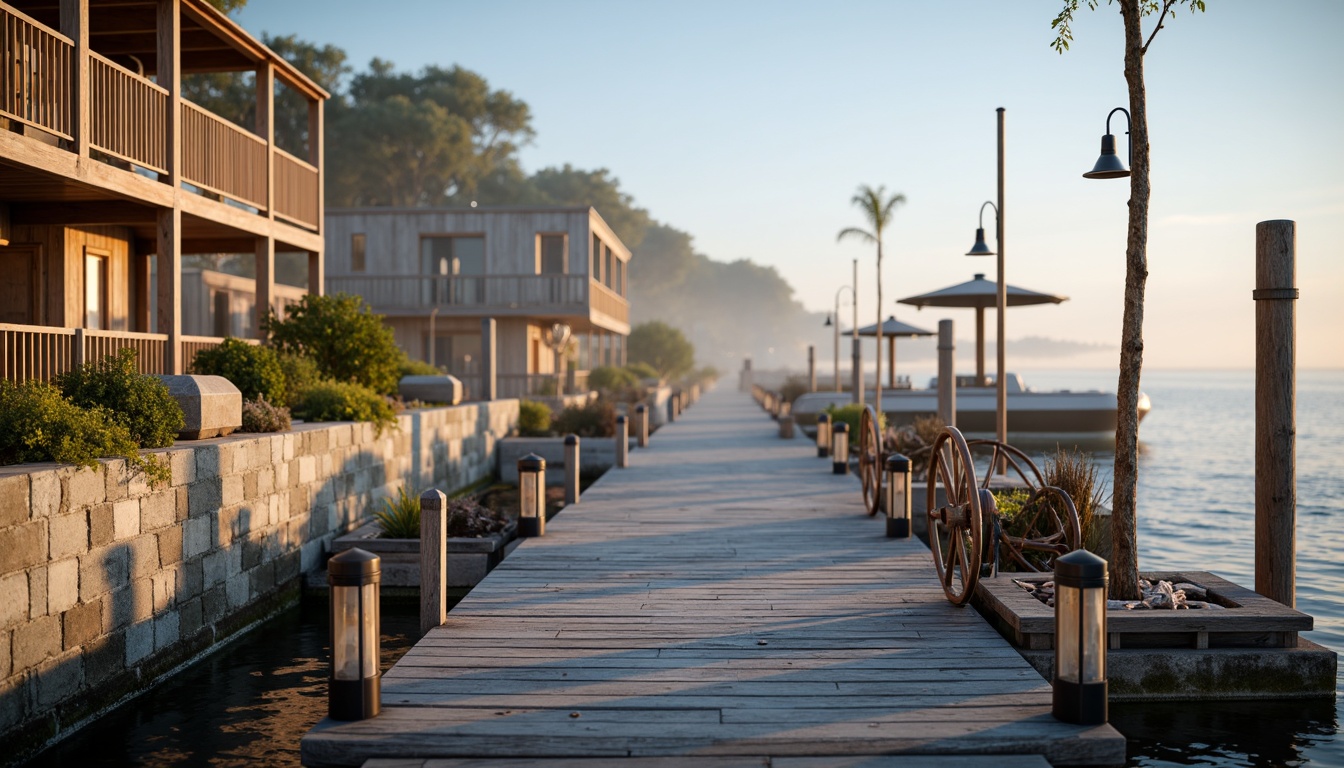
(469, 559)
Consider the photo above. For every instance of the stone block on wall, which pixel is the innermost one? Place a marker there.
(212, 405)
(431, 389)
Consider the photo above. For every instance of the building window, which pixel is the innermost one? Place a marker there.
(618, 282)
(95, 291)
(595, 268)
(357, 242)
(456, 265)
(551, 254)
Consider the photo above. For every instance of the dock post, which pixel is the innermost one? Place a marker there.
(1275, 410)
(811, 368)
(642, 425)
(622, 442)
(671, 409)
(786, 427)
(571, 469)
(947, 374)
(489, 361)
(433, 559)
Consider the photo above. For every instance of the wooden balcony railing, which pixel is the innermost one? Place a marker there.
(423, 292)
(296, 189)
(608, 302)
(220, 157)
(43, 352)
(128, 115)
(35, 85)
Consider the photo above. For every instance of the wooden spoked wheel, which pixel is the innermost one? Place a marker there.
(870, 459)
(955, 527)
(1046, 527)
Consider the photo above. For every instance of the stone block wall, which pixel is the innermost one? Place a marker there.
(107, 583)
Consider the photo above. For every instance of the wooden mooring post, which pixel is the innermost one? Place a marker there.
(572, 447)
(1276, 410)
(947, 374)
(433, 559)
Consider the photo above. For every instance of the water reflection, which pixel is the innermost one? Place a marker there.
(1268, 734)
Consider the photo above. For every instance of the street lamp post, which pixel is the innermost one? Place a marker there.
(834, 320)
(1001, 303)
(981, 249)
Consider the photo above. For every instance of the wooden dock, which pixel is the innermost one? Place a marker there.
(722, 602)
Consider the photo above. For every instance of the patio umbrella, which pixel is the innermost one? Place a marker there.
(980, 293)
(891, 328)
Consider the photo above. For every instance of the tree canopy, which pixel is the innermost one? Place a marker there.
(663, 347)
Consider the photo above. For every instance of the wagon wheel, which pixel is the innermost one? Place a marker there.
(870, 459)
(955, 528)
(1045, 528)
(1012, 459)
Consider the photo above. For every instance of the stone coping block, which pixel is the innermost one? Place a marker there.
(431, 389)
(212, 405)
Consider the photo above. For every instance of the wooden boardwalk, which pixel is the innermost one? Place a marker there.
(722, 602)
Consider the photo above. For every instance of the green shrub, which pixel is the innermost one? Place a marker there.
(534, 419)
(261, 416)
(301, 374)
(607, 378)
(400, 519)
(253, 369)
(411, 367)
(344, 337)
(38, 424)
(642, 371)
(852, 414)
(663, 347)
(138, 402)
(340, 401)
(596, 419)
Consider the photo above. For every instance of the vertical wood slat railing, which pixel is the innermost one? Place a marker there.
(128, 115)
(608, 302)
(151, 348)
(193, 344)
(220, 157)
(296, 189)
(35, 67)
(44, 352)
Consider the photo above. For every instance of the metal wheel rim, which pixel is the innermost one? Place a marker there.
(956, 547)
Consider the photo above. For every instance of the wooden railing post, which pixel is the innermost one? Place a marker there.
(78, 354)
(488, 390)
(642, 425)
(572, 454)
(1275, 411)
(622, 442)
(433, 559)
(75, 25)
(947, 374)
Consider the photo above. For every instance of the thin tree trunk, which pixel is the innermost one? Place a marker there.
(1124, 518)
(877, 393)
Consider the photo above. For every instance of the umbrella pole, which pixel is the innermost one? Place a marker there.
(891, 369)
(980, 347)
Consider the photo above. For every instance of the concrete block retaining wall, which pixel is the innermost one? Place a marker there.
(106, 583)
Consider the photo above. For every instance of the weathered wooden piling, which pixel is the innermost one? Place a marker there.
(811, 368)
(947, 374)
(1275, 410)
(572, 447)
(642, 425)
(433, 559)
(622, 442)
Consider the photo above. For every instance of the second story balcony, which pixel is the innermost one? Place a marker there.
(490, 295)
(103, 80)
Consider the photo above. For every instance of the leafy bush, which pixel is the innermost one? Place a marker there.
(253, 369)
(793, 387)
(400, 519)
(261, 416)
(344, 337)
(534, 419)
(596, 419)
(468, 519)
(138, 402)
(38, 424)
(851, 414)
(411, 367)
(642, 371)
(663, 347)
(607, 378)
(339, 401)
(301, 374)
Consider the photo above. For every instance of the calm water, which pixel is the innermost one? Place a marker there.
(1197, 509)
(249, 704)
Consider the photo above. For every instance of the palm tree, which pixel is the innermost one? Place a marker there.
(877, 209)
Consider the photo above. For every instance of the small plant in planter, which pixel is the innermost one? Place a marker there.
(400, 519)
(467, 518)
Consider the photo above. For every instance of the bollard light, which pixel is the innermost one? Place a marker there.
(823, 435)
(898, 496)
(622, 438)
(642, 425)
(531, 495)
(572, 459)
(840, 448)
(1080, 639)
(354, 687)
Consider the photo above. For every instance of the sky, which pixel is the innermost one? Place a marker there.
(750, 125)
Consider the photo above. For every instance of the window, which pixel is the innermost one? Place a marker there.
(357, 241)
(618, 283)
(595, 268)
(551, 254)
(95, 290)
(456, 264)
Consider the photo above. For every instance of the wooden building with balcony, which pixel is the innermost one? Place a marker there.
(108, 176)
(435, 274)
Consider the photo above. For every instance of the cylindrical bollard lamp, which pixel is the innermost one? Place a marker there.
(823, 435)
(354, 687)
(840, 448)
(671, 409)
(571, 469)
(786, 427)
(531, 495)
(1080, 639)
(622, 442)
(642, 425)
(898, 496)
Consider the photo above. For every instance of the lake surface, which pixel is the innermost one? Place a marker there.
(249, 704)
